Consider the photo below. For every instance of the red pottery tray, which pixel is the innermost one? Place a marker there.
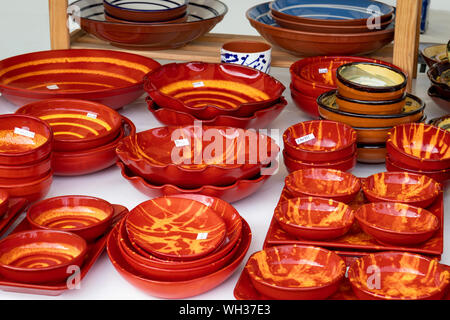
(94, 251)
(356, 240)
(15, 208)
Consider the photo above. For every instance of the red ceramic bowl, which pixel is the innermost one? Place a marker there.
(188, 157)
(327, 183)
(409, 188)
(371, 153)
(32, 190)
(145, 11)
(23, 139)
(177, 289)
(227, 212)
(319, 141)
(401, 276)
(314, 218)
(175, 228)
(26, 171)
(294, 272)
(4, 202)
(85, 216)
(207, 90)
(234, 192)
(40, 256)
(420, 146)
(343, 165)
(89, 161)
(304, 102)
(76, 124)
(397, 223)
(260, 119)
(108, 77)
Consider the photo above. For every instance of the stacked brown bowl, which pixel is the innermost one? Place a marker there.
(371, 98)
(25, 156)
(439, 91)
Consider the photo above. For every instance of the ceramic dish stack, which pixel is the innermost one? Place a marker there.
(319, 144)
(214, 94)
(179, 246)
(85, 133)
(25, 156)
(225, 162)
(324, 27)
(371, 98)
(439, 91)
(419, 148)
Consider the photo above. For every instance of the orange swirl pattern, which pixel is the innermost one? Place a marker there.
(70, 217)
(13, 142)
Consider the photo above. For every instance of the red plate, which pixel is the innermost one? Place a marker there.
(343, 165)
(410, 188)
(206, 90)
(193, 156)
(109, 77)
(175, 228)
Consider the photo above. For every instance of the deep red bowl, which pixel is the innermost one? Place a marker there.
(4, 202)
(32, 190)
(76, 124)
(177, 289)
(295, 272)
(326, 183)
(26, 171)
(420, 146)
(409, 188)
(260, 119)
(397, 223)
(319, 141)
(88, 217)
(314, 218)
(109, 77)
(83, 162)
(343, 165)
(207, 90)
(168, 10)
(399, 276)
(40, 256)
(305, 103)
(194, 156)
(23, 139)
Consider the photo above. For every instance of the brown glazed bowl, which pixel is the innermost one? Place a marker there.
(435, 95)
(439, 75)
(146, 11)
(371, 153)
(370, 107)
(434, 54)
(441, 122)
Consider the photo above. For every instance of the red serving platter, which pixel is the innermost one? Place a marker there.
(94, 251)
(109, 77)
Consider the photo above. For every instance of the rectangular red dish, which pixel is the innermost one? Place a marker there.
(15, 208)
(95, 249)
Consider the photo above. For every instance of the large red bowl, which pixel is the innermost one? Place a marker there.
(440, 176)
(399, 276)
(304, 102)
(234, 192)
(76, 124)
(294, 272)
(314, 218)
(326, 183)
(260, 119)
(420, 146)
(397, 223)
(409, 188)
(26, 171)
(319, 141)
(32, 189)
(194, 156)
(293, 164)
(83, 162)
(207, 90)
(40, 256)
(109, 77)
(177, 289)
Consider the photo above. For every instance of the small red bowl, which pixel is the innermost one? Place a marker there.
(326, 183)
(319, 141)
(409, 188)
(305, 102)
(421, 146)
(397, 223)
(4, 202)
(314, 218)
(41, 256)
(31, 190)
(23, 139)
(76, 124)
(175, 228)
(399, 276)
(294, 272)
(88, 217)
(343, 165)
(26, 171)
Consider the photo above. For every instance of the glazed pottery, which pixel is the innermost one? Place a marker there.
(370, 107)
(293, 164)
(253, 54)
(434, 54)
(371, 153)
(146, 11)
(440, 176)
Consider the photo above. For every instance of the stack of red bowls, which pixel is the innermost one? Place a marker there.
(214, 94)
(179, 246)
(226, 162)
(319, 144)
(86, 133)
(419, 148)
(25, 156)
